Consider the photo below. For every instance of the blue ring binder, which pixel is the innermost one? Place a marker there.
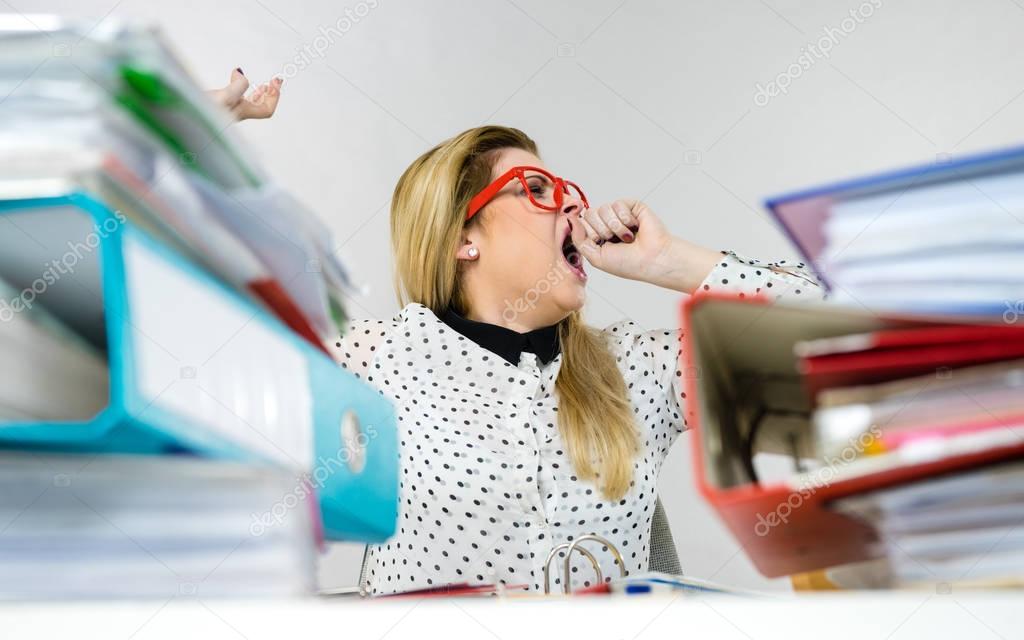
(356, 504)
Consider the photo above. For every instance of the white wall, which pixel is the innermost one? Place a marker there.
(635, 98)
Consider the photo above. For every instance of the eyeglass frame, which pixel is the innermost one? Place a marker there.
(560, 186)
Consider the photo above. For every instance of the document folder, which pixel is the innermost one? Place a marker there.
(194, 367)
(742, 380)
(802, 214)
(945, 237)
(126, 98)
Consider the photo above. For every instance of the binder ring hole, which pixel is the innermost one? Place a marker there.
(353, 442)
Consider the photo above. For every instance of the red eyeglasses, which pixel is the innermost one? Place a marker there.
(546, 191)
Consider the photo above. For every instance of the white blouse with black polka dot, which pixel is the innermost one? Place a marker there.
(486, 486)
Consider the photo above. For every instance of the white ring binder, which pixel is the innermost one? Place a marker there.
(570, 547)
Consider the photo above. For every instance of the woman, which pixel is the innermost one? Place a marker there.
(521, 427)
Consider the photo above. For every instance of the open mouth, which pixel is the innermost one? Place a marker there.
(572, 256)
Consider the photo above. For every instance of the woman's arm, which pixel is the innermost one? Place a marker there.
(625, 238)
(644, 250)
(681, 266)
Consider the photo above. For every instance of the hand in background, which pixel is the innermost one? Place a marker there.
(259, 104)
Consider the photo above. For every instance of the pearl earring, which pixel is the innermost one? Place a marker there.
(473, 252)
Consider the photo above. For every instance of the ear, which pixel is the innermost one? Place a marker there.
(468, 250)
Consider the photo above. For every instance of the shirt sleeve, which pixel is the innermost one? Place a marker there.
(357, 346)
(649, 361)
(652, 359)
(782, 280)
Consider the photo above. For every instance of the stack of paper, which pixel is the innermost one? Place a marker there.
(973, 402)
(962, 529)
(145, 527)
(121, 115)
(654, 582)
(945, 238)
(953, 247)
(100, 124)
(911, 395)
(914, 396)
(917, 392)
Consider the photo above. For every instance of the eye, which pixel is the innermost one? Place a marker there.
(538, 186)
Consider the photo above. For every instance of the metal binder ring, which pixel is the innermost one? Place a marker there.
(353, 442)
(574, 546)
(605, 542)
(565, 581)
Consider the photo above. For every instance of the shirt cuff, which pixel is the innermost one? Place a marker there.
(782, 280)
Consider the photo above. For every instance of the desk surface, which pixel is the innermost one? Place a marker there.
(891, 616)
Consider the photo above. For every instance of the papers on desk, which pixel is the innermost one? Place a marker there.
(151, 527)
(961, 529)
(655, 582)
(648, 583)
(946, 238)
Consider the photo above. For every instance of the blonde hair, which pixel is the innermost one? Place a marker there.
(427, 215)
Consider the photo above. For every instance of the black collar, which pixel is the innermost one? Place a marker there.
(505, 342)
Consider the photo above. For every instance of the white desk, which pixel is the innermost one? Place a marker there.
(890, 616)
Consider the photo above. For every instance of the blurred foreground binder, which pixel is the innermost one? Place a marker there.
(87, 526)
(750, 391)
(193, 366)
(946, 237)
(124, 109)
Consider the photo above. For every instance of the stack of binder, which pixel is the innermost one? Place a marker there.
(961, 529)
(163, 311)
(947, 237)
(896, 407)
(150, 527)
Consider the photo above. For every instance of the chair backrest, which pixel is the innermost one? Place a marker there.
(663, 559)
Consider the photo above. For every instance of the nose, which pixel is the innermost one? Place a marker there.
(571, 204)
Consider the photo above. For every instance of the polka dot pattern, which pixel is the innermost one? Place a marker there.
(487, 488)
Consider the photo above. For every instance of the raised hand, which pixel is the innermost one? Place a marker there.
(259, 104)
(625, 238)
